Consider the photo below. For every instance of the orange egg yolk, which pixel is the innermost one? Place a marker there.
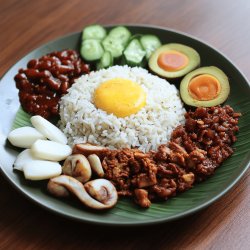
(172, 60)
(120, 97)
(204, 87)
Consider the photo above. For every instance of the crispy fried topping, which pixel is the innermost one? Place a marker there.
(194, 152)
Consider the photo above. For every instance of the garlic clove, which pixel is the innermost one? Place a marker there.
(24, 157)
(96, 164)
(48, 129)
(24, 137)
(41, 170)
(50, 150)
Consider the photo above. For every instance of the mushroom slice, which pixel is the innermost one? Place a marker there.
(78, 167)
(57, 190)
(103, 191)
(88, 149)
(96, 164)
(79, 190)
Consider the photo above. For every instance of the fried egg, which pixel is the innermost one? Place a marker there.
(121, 97)
(121, 107)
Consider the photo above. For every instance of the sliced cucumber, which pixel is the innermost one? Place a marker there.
(106, 61)
(114, 46)
(91, 50)
(121, 34)
(135, 36)
(134, 53)
(94, 32)
(150, 43)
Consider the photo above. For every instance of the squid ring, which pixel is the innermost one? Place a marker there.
(102, 193)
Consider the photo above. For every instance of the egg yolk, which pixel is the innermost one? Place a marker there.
(172, 60)
(204, 87)
(120, 97)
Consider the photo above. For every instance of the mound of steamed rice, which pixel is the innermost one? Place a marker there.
(82, 122)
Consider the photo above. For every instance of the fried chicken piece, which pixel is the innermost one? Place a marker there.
(169, 170)
(204, 169)
(185, 182)
(177, 148)
(144, 180)
(162, 153)
(171, 152)
(195, 157)
(195, 150)
(164, 189)
(141, 198)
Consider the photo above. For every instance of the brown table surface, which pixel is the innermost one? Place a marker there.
(25, 25)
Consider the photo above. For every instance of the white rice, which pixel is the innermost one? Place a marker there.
(82, 122)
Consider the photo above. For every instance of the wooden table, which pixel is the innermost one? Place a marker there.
(25, 25)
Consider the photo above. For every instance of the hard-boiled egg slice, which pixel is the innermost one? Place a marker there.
(24, 137)
(48, 129)
(50, 150)
(41, 170)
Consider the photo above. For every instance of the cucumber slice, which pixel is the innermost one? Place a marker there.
(135, 36)
(134, 53)
(114, 46)
(150, 43)
(120, 33)
(94, 32)
(106, 61)
(91, 50)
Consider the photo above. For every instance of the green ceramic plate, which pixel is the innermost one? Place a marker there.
(126, 213)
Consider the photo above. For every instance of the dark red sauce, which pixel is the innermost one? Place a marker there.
(46, 79)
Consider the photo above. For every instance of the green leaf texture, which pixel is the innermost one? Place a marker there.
(203, 194)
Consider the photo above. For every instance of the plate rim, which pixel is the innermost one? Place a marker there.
(245, 162)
